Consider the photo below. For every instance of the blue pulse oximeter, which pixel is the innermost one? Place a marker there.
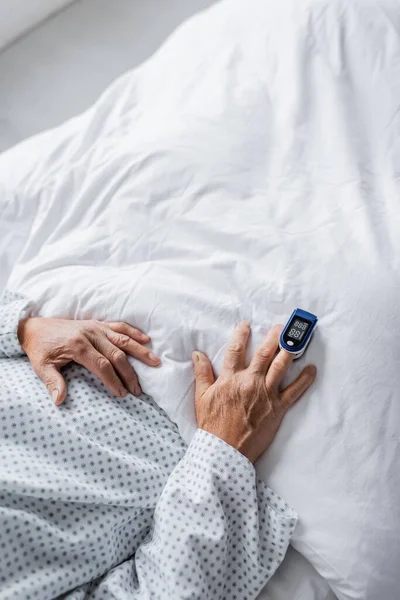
(298, 332)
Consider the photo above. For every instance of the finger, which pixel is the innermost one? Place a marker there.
(203, 373)
(133, 348)
(54, 382)
(295, 390)
(278, 369)
(119, 361)
(235, 354)
(133, 332)
(266, 352)
(100, 366)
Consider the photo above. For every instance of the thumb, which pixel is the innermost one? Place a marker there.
(54, 382)
(203, 373)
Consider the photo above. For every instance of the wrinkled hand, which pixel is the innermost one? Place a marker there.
(245, 405)
(99, 346)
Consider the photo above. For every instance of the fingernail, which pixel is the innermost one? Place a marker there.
(196, 356)
(153, 357)
(123, 392)
(312, 370)
(138, 390)
(54, 396)
(245, 324)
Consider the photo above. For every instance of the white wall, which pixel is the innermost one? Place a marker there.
(18, 16)
(61, 67)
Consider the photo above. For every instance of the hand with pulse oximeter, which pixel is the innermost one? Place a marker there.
(244, 406)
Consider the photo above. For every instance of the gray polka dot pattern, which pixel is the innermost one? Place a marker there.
(100, 498)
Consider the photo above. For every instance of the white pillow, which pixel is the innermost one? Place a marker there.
(250, 167)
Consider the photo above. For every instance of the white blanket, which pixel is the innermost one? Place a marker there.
(250, 167)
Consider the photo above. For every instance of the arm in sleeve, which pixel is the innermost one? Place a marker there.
(13, 308)
(219, 532)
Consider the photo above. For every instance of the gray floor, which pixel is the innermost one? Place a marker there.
(60, 68)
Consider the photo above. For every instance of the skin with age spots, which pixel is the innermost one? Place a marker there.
(101, 347)
(245, 405)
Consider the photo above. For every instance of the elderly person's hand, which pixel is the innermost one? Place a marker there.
(245, 405)
(99, 346)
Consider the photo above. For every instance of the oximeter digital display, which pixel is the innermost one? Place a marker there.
(297, 332)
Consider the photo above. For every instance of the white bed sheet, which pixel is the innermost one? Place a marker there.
(253, 175)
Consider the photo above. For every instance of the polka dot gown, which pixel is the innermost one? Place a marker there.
(100, 498)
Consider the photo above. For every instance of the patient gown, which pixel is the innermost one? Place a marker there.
(101, 499)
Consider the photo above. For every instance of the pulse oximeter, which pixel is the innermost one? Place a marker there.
(298, 332)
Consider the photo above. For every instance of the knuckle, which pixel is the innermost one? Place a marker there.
(102, 364)
(48, 380)
(224, 380)
(248, 386)
(202, 372)
(77, 341)
(92, 327)
(136, 347)
(245, 389)
(265, 353)
(122, 339)
(236, 348)
(118, 356)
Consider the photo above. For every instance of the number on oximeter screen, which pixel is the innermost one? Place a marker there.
(298, 330)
